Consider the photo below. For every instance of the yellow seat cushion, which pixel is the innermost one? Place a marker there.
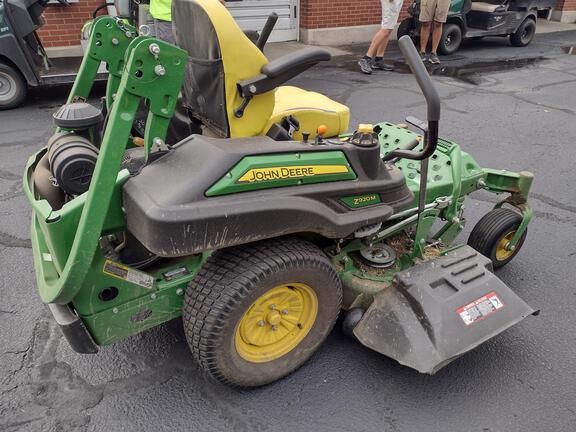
(311, 110)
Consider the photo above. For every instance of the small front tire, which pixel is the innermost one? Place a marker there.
(492, 233)
(255, 313)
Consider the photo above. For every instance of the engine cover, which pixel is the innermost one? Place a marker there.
(210, 193)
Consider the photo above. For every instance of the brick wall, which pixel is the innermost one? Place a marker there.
(566, 5)
(63, 24)
(316, 14)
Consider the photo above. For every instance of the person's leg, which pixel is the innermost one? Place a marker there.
(390, 13)
(424, 35)
(164, 31)
(436, 36)
(379, 43)
(365, 62)
(440, 17)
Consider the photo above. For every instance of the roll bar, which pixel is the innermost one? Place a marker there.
(432, 99)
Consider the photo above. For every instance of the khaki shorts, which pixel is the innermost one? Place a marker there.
(434, 10)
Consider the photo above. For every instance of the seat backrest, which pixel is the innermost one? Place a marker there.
(219, 56)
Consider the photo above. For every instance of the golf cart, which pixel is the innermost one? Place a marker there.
(261, 229)
(23, 60)
(468, 19)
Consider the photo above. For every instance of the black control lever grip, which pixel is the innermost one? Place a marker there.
(266, 31)
(432, 99)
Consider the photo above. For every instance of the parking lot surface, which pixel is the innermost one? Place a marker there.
(510, 108)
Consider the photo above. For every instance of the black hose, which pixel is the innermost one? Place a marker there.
(99, 8)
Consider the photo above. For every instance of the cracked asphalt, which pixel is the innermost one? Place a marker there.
(509, 107)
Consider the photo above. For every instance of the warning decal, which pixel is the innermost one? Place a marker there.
(480, 309)
(128, 274)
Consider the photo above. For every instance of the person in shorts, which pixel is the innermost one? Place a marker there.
(374, 58)
(433, 15)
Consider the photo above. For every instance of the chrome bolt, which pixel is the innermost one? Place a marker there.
(159, 70)
(154, 49)
(179, 291)
(115, 310)
(261, 323)
(252, 89)
(285, 312)
(274, 327)
(115, 41)
(272, 307)
(153, 296)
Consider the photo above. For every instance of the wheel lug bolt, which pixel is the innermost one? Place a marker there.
(285, 312)
(261, 323)
(273, 306)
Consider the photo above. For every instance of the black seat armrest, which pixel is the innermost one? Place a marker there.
(279, 71)
(304, 57)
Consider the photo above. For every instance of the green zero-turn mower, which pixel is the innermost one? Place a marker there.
(262, 229)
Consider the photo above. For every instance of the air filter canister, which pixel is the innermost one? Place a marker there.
(72, 160)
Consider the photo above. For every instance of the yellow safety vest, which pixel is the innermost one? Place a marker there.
(161, 9)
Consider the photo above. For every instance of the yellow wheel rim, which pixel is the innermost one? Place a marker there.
(502, 253)
(276, 322)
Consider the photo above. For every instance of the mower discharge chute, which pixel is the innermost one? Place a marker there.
(260, 230)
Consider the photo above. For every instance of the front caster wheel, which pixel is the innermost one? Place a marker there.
(255, 313)
(492, 234)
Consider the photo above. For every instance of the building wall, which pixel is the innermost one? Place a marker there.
(63, 24)
(358, 18)
(317, 14)
(565, 11)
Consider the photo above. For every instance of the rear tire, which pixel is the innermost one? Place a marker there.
(493, 231)
(406, 28)
(451, 39)
(13, 87)
(525, 33)
(233, 304)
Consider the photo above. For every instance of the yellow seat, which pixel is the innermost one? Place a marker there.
(311, 109)
(221, 58)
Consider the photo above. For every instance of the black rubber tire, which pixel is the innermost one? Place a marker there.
(227, 285)
(492, 228)
(451, 39)
(525, 33)
(12, 81)
(406, 28)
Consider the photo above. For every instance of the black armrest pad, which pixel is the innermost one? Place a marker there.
(304, 57)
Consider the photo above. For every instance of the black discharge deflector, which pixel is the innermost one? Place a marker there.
(168, 212)
(436, 311)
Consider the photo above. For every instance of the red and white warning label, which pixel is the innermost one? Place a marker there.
(480, 309)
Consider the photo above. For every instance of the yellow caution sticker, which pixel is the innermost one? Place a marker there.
(128, 274)
(282, 173)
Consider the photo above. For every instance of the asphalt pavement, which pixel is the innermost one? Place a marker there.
(510, 107)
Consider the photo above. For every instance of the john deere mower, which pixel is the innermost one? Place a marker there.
(260, 230)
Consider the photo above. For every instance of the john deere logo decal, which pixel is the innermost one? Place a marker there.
(280, 173)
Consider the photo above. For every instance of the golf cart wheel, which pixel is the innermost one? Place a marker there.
(492, 234)
(451, 39)
(524, 34)
(13, 88)
(255, 313)
(407, 28)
